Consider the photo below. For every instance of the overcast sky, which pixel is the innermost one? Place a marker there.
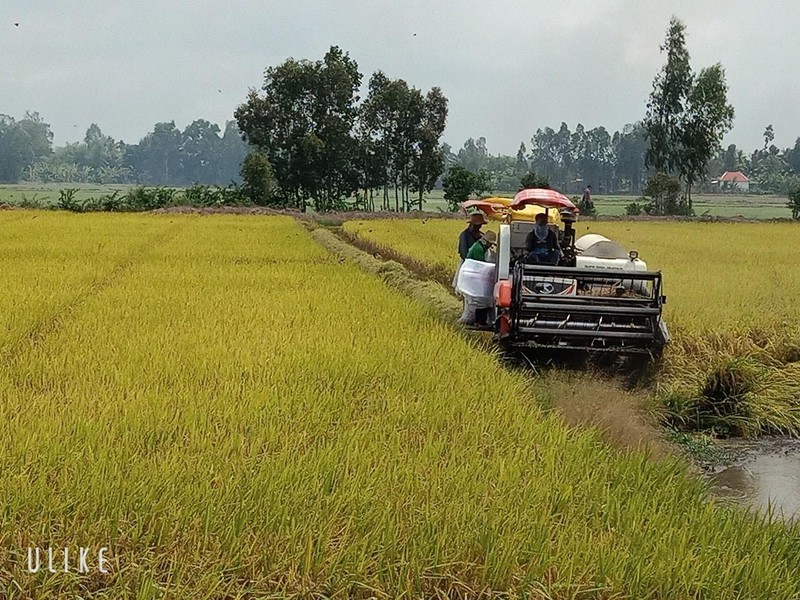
(507, 67)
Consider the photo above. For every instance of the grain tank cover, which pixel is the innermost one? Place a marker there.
(599, 246)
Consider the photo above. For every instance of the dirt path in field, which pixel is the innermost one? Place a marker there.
(583, 399)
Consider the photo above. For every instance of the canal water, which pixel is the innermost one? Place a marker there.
(766, 476)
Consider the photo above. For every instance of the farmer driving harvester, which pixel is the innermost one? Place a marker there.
(541, 243)
(551, 291)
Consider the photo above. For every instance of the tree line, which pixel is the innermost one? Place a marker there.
(331, 150)
(616, 163)
(676, 146)
(569, 160)
(307, 139)
(200, 154)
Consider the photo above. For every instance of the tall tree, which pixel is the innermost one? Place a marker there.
(22, 144)
(544, 156)
(304, 124)
(400, 131)
(99, 149)
(338, 83)
(428, 159)
(769, 136)
(708, 118)
(459, 184)
(731, 158)
(667, 105)
(474, 156)
(450, 157)
(232, 152)
(199, 151)
(384, 126)
(793, 157)
(687, 116)
(159, 155)
(521, 165)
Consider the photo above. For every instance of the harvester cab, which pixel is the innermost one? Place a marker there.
(599, 297)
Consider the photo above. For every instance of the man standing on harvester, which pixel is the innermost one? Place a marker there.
(467, 239)
(541, 244)
(473, 245)
(471, 234)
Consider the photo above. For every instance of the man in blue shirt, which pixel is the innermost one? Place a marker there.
(541, 243)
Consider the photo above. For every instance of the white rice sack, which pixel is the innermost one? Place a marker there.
(476, 278)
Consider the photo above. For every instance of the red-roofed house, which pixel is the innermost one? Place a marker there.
(734, 180)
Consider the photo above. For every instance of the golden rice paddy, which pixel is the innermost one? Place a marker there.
(731, 307)
(236, 413)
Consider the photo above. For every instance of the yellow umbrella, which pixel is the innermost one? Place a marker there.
(497, 208)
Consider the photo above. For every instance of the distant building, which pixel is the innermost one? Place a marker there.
(733, 181)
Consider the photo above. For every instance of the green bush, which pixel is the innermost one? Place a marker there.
(106, 203)
(33, 202)
(232, 195)
(663, 193)
(533, 180)
(634, 209)
(258, 180)
(207, 196)
(143, 199)
(794, 203)
(67, 200)
(459, 184)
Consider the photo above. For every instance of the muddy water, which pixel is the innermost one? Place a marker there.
(766, 474)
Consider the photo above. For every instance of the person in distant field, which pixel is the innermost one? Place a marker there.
(586, 200)
(480, 250)
(541, 244)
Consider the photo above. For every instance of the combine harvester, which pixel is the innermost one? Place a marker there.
(599, 298)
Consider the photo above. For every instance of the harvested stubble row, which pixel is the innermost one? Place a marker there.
(733, 366)
(238, 413)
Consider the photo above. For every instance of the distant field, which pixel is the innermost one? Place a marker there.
(47, 193)
(722, 205)
(719, 205)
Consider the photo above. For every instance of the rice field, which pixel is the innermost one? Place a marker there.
(236, 413)
(731, 306)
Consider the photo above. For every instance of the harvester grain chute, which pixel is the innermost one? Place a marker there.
(598, 297)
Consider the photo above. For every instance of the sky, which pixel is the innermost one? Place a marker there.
(507, 67)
